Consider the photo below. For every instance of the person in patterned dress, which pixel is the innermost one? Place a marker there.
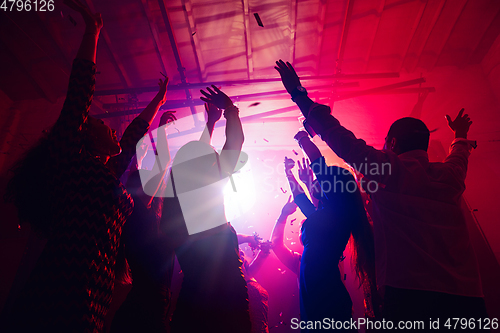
(68, 188)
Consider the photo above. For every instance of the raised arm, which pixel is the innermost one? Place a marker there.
(67, 130)
(149, 113)
(299, 197)
(257, 262)
(154, 186)
(289, 258)
(250, 239)
(291, 82)
(136, 130)
(93, 25)
(460, 147)
(163, 152)
(309, 148)
(234, 131)
(292, 182)
(305, 173)
(213, 116)
(342, 141)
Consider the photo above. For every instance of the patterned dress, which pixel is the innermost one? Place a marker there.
(71, 287)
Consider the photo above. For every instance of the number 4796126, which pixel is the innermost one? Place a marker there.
(27, 5)
(471, 323)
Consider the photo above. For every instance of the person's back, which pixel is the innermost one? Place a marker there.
(423, 238)
(424, 256)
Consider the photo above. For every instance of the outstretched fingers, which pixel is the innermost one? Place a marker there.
(290, 68)
(205, 94)
(211, 91)
(217, 89)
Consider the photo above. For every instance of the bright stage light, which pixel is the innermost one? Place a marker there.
(239, 202)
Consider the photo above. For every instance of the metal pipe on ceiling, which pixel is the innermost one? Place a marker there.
(186, 86)
(175, 50)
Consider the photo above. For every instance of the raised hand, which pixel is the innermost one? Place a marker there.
(213, 113)
(289, 208)
(92, 21)
(289, 164)
(300, 135)
(460, 126)
(162, 93)
(289, 78)
(305, 173)
(167, 117)
(216, 97)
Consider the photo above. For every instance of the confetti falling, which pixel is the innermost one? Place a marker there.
(282, 190)
(295, 152)
(259, 21)
(265, 140)
(254, 104)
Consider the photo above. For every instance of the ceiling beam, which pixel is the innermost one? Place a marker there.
(248, 40)
(184, 86)
(185, 103)
(343, 36)
(430, 16)
(441, 33)
(195, 41)
(373, 33)
(416, 23)
(175, 50)
(293, 29)
(156, 36)
(347, 95)
(320, 32)
(384, 90)
(487, 40)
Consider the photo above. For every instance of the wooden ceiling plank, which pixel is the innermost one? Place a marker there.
(343, 38)
(472, 24)
(248, 40)
(184, 86)
(293, 29)
(430, 16)
(321, 28)
(440, 33)
(195, 41)
(416, 23)
(180, 68)
(154, 32)
(377, 90)
(486, 41)
(373, 34)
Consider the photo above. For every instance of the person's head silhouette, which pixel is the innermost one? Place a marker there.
(407, 134)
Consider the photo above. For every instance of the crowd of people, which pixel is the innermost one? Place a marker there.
(412, 253)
